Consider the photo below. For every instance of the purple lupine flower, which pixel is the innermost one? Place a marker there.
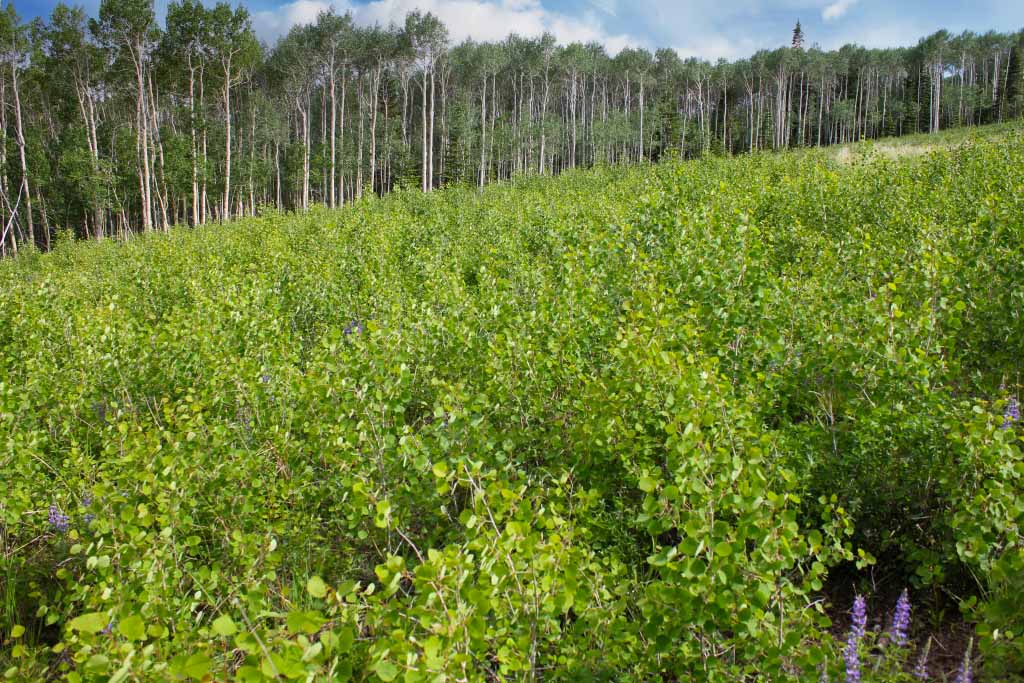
(964, 674)
(58, 520)
(354, 326)
(1012, 413)
(901, 619)
(265, 378)
(851, 656)
(858, 626)
(109, 628)
(86, 502)
(921, 669)
(859, 617)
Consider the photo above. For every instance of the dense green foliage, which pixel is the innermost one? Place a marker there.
(629, 424)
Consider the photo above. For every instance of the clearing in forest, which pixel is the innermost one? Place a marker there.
(666, 422)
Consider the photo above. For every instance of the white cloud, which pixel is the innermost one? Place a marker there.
(610, 7)
(889, 34)
(483, 20)
(712, 47)
(720, 29)
(272, 24)
(837, 9)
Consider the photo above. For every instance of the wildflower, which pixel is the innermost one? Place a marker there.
(354, 326)
(265, 378)
(109, 628)
(901, 620)
(86, 502)
(58, 520)
(921, 670)
(964, 674)
(244, 417)
(859, 617)
(858, 626)
(1012, 413)
(852, 658)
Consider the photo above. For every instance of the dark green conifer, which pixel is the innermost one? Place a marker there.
(798, 37)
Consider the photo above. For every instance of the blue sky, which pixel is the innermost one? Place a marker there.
(706, 28)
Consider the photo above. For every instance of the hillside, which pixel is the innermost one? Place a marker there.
(655, 423)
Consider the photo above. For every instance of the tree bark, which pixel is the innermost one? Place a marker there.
(21, 153)
(226, 211)
(423, 170)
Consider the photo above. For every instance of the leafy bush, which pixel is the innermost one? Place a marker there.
(625, 425)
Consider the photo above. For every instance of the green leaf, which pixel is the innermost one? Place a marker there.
(304, 622)
(281, 665)
(647, 484)
(224, 625)
(346, 638)
(763, 594)
(97, 663)
(316, 587)
(132, 628)
(312, 652)
(249, 674)
(198, 665)
(723, 549)
(385, 670)
(93, 622)
(17, 631)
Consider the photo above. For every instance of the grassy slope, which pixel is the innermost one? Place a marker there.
(916, 145)
(607, 368)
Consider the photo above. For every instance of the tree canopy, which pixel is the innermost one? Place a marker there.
(115, 124)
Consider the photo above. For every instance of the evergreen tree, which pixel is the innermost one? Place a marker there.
(1015, 81)
(798, 37)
